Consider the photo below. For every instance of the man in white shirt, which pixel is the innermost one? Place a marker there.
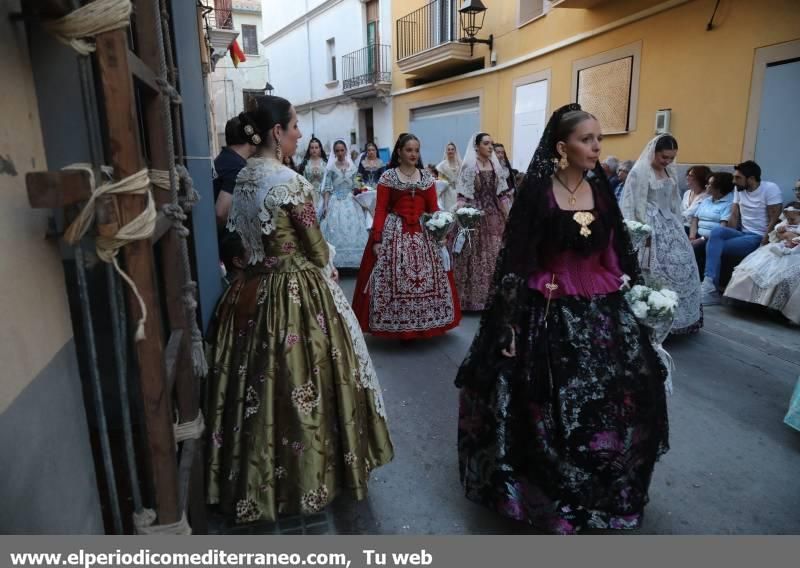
(757, 204)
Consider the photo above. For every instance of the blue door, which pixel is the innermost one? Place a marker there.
(777, 149)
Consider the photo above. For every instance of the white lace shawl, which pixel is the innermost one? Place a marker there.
(465, 184)
(264, 186)
(639, 181)
(447, 169)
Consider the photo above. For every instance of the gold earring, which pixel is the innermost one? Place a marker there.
(563, 163)
(278, 151)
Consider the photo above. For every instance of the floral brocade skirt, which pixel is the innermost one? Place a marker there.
(567, 436)
(292, 419)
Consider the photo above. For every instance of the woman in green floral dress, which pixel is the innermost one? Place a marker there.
(295, 415)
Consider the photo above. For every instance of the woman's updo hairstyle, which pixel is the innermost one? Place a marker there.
(479, 137)
(262, 114)
(402, 140)
(666, 142)
(567, 125)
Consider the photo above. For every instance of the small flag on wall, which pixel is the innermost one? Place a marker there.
(237, 55)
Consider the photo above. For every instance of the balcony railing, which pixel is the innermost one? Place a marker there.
(432, 25)
(220, 19)
(370, 65)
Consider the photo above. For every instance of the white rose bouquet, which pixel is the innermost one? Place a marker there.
(655, 307)
(468, 219)
(438, 225)
(639, 232)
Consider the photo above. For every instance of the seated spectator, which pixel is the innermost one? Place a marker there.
(710, 214)
(230, 160)
(771, 275)
(610, 166)
(697, 180)
(623, 170)
(757, 204)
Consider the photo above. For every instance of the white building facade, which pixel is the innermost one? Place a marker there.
(333, 60)
(229, 86)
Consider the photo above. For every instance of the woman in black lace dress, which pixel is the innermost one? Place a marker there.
(562, 409)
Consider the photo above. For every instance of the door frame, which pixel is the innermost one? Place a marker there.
(764, 56)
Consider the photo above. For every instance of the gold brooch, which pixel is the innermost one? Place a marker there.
(584, 219)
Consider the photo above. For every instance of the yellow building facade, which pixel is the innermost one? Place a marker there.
(711, 81)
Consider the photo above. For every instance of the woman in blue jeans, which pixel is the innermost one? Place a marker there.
(710, 213)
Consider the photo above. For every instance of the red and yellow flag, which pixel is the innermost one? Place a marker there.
(237, 55)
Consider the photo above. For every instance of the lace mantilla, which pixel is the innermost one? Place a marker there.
(367, 377)
(262, 188)
(390, 178)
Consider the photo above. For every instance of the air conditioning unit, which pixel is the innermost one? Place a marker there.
(663, 117)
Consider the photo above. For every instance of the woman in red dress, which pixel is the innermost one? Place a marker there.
(403, 288)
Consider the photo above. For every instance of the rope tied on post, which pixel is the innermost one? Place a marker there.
(192, 430)
(143, 523)
(88, 21)
(140, 228)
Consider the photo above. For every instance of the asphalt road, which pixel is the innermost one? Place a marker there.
(732, 468)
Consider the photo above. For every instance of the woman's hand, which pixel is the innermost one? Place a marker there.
(511, 351)
(335, 275)
(376, 249)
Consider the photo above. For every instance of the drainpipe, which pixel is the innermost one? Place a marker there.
(310, 75)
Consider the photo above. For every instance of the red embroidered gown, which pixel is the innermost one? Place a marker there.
(405, 292)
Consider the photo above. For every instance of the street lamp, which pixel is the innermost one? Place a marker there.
(472, 14)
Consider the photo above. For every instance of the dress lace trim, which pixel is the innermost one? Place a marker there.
(367, 377)
(390, 178)
(264, 185)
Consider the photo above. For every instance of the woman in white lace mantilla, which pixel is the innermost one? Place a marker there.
(448, 170)
(651, 196)
(295, 414)
(343, 219)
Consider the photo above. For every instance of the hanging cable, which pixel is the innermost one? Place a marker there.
(710, 25)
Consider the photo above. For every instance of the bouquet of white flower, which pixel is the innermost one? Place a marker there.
(468, 218)
(639, 232)
(655, 308)
(438, 225)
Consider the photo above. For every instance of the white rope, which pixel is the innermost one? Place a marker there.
(140, 228)
(88, 21)
(143, 523)
(160, 179)
(192, 430)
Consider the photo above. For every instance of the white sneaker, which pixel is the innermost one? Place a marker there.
(707, 286)
(713, 298)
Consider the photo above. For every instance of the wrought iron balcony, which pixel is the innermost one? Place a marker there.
(221, 16)
(368, 70)
(432, 25)
(429, 40)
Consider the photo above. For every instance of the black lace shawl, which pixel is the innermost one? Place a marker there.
(530, 233)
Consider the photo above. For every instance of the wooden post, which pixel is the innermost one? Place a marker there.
(186, 390)
(117, 88)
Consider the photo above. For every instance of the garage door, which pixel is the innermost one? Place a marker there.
(436, 125)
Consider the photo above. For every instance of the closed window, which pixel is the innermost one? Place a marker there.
(530, 9)
(605, 91)
(331, 59)
(249, 39)
(607, 85)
